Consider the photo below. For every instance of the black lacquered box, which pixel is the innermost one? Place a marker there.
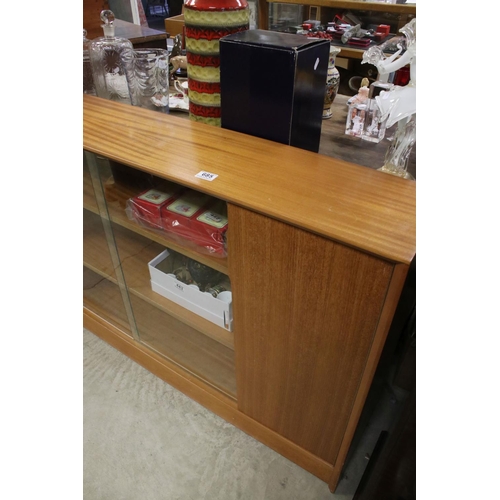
(273, 86)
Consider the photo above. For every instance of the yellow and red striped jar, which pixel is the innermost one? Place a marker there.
(207, 21)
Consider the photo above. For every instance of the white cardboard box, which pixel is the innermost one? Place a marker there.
(189, 296)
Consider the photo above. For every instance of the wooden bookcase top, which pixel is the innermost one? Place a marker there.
(349, 203)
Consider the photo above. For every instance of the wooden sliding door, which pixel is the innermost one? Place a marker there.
(306, 311)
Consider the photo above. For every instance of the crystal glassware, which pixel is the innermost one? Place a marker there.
(88, 78)
(374, 125)
(112, 61)
(150, 85)
(398, 153)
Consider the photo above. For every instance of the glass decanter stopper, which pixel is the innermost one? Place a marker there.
(112, 61)
(88, 78)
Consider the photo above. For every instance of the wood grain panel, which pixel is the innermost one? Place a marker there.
(358, 206)
(91, 17)
(390, 304)
(140, 36)
(336, 144)
(305, 313)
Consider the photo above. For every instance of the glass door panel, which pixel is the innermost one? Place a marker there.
(103, 288)
(198, 345)
(189, 348)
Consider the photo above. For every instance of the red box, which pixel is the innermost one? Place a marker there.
(383, 28)
(360, 42)
(209, 227)
(177, 215)
(146, 207)
(197, 218)
(378, 36)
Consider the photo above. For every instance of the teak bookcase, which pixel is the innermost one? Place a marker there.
(317, 253)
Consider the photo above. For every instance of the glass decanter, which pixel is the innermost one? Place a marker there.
(112, 61)
(88, 78)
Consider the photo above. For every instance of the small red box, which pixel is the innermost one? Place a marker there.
(378, 37)
(360, 42)
(146, 207)
(178, 214)
(209, 227)
(197, 218)
(383, 28)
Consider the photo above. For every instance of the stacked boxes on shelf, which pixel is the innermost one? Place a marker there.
(187, 214)
(197, 218)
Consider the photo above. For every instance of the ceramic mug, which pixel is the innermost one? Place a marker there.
(183, 89)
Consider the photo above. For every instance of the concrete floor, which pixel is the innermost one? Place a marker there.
(143, 439)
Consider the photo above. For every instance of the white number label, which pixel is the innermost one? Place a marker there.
(206, 175)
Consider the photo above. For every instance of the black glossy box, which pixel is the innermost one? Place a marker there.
(273, 86)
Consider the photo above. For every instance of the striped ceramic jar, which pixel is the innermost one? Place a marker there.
(207, 21)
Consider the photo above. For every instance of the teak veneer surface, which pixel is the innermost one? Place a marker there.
(355, 205)
(137, 33)
(306, 316)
